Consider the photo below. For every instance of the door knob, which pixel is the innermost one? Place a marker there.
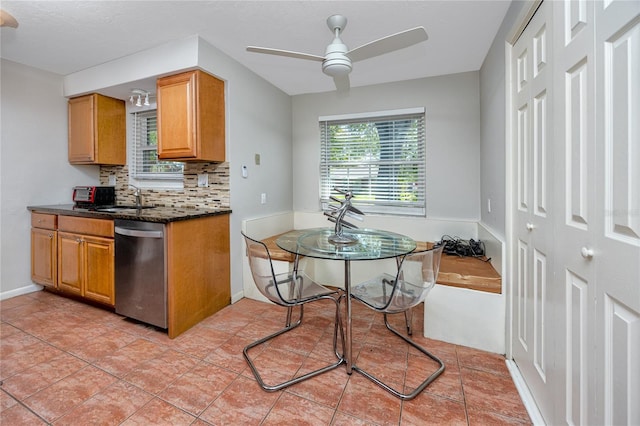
(587, 253)
(530, 226)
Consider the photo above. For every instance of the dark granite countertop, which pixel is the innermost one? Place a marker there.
(155, 214)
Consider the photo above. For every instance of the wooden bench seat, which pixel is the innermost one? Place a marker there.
(276, 252)
(464, 272)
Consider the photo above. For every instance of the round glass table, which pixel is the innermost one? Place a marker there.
(368, 244)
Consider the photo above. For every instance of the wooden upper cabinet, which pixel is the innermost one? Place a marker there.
(97, 130)
(191, 117)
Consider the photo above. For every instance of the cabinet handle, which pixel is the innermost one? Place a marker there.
(50, 236)
(530, 226)
(78, 240)
(587, 253)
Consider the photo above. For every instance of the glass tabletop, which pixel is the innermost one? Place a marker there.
(370, 244)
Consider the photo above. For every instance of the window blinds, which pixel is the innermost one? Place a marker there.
(381, 158)
(145, 159)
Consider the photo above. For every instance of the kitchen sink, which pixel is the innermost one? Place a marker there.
(115, 209)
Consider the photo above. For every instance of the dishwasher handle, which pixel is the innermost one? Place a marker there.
(139, 233)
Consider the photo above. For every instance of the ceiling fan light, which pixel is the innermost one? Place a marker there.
(336, 67)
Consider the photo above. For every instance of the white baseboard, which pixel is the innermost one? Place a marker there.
(525, 394)
(235, 297)
(31, 288)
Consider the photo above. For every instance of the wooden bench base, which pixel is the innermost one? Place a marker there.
(464, 272)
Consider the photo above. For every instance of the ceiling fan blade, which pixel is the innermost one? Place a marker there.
(388, 44)
(286, 53)
(7, 20)
(342, 82)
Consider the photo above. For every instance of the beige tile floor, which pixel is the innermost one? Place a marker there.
(63, 362)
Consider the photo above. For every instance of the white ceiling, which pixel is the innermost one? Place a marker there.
(68, 36)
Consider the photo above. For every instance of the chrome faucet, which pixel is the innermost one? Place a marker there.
(138, 194)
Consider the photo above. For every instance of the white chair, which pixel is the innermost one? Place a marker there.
(399, 293)
(289, 290)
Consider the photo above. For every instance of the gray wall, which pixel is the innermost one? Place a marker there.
(452, 106)
(33, 163)
(259, 122)
(492, 126)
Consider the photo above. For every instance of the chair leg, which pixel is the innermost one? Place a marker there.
(422, 385)
(290, 316)
(273, 388)
(408, 319)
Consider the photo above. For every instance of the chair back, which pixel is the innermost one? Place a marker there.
(417, 274)
(266, 280)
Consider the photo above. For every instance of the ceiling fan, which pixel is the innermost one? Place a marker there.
(338, 58)
(7, 20)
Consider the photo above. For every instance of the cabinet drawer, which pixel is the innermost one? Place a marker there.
(83, 225)
(43, 220)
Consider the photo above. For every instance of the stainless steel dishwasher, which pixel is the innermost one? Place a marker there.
(140, 273)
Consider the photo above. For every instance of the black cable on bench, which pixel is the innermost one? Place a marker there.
(463, 248)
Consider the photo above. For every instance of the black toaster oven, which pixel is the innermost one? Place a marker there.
(91, 196)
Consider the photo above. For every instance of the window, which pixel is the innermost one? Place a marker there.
(145, 157)
(378, 156)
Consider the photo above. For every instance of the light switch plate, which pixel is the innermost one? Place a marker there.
(203, 180)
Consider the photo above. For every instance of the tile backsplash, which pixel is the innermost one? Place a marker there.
(216, 195)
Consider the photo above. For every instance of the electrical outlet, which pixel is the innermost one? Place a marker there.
(112, 180)
(203, 180)
(257, 159)
(488, 205)
(263, 198)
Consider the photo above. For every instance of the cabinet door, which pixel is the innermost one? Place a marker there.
(177, 116)
(110, 124)
(81, 129)
(97, 130)
(99, 267)
(43, 257)
(70, 263)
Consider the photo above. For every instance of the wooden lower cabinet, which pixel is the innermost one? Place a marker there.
(44, 238)
(86, 257)
(70, 263)
(100, 272)
(198, 274)
(43, 257)
(76, 255)
(86, 266)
